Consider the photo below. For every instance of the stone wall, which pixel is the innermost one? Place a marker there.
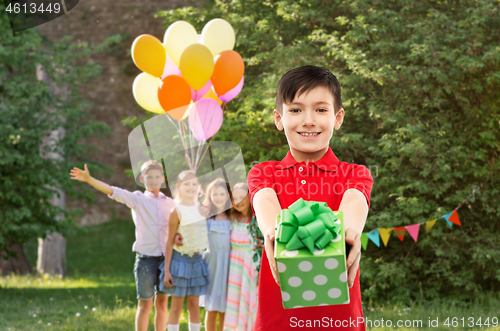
(93, 21)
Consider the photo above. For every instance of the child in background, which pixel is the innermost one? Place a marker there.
(217, 257)
(184, 272)
(243, 275)
(150, 212)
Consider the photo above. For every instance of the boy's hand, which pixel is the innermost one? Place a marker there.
(79, 174)
(178, 239)
(168, 281)
(269, 237)
(352, 237)
(204, 210)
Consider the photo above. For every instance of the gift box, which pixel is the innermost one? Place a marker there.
(310, 256)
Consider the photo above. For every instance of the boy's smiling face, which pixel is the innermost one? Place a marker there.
(153, 179)
(309, 121)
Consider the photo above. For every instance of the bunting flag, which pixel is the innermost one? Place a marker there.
(400, 232)
(429, 224)
(385, 234)
(453, 218)
(413, 230)
(364, 240)
(373, 235)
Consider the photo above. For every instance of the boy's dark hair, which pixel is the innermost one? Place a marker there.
(304, 79)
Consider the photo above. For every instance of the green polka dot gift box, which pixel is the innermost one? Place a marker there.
(310, 256)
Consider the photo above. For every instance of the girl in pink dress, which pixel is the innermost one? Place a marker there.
(243, 275)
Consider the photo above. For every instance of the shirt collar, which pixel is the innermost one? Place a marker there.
(160, 196)
(329, 162)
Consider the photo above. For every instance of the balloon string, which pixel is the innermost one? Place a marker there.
(208, 146)
(191, 136)
(192, 166)
(184, 143)
(179, 129)
(198, 155)
(224, 107)
(172, 123)
(188, 148)
(200, 146)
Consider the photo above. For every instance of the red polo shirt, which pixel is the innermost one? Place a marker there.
(325, 180)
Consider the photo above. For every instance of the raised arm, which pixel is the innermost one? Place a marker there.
(172, 230)
(355, 209)
(267, 208)
(84, 176)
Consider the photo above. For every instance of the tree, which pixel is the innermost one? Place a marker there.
(421, 86)
(28, 179)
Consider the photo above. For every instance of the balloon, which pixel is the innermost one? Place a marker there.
(205, 119)
(233, 93)
(211, 94)
(145, 90)
(197, 65)
(218, 36)
(149, 55)
(188, 111)
(170, 69)
(174, 96)
(197, 95)
(177, 38)
(228, 71)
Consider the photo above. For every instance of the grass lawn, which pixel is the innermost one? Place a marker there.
(99, 293)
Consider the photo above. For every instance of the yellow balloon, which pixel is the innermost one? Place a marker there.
(149, 55)
(177, 38)
(218, 36)
(211, 94)
(197, 65)
(191, 106)
(145, 89)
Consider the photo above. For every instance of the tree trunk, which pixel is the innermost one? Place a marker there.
(52, 255)
(18, 265)
(52, 249)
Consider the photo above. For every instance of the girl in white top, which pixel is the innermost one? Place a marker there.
(185, 273)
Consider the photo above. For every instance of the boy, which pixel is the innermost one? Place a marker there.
(150, 212)
(308, 109)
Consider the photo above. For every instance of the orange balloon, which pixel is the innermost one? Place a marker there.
(228, 71)
(174, 95)
(149, 55)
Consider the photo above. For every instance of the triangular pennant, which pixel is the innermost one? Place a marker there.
(400, 232)
(373, 235)
(453, 218)
(385, 234)
(429, 225)
(447, 216)
(364, 241)
(413, 231)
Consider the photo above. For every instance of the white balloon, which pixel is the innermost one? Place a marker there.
(145, 90)
(218, 36)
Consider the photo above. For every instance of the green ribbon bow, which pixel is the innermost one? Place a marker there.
(307, 224)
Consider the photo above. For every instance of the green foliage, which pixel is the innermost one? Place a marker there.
(421, 84)
(30, 111)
